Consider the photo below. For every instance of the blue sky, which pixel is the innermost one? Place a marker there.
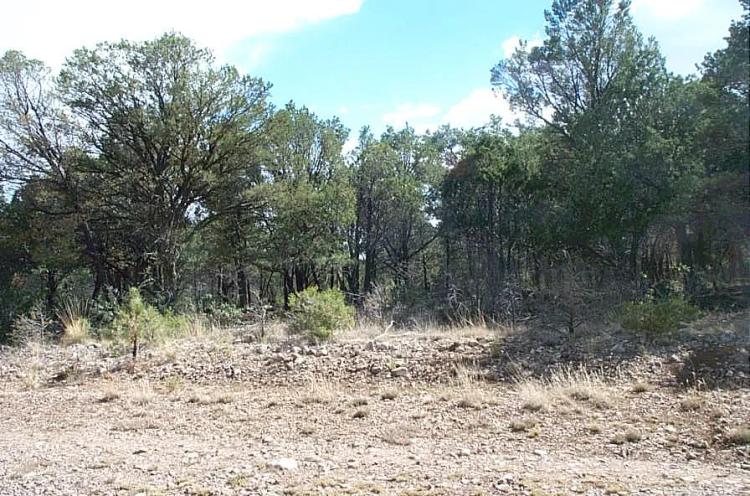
(375, 62)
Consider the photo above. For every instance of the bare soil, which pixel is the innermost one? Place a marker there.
(379, 415)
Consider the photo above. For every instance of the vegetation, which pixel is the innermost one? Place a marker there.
(319, 313)
(654, 318)
(148, 165)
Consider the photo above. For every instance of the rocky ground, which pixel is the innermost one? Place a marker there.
(471, 412)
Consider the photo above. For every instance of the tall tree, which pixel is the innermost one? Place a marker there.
(168, 128)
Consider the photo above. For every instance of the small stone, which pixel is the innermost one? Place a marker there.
(284, 464)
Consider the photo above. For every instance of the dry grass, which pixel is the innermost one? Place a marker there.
(629, 436)
(76, 331)
(33, 369)
(692, 403)
(523, 425)
(111, 393)
(141, 393)
(320, 391)
(739, 436)
(641, 387)
(76, 327)
(563, 387)
(472, 391)
(389, 394)
(214, 398)
(401, 435)
(361, 413)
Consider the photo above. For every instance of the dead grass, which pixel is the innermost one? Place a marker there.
(320, 391)
(692, 403)
(401, 435)
(112, 392)
(33, 369)
(739, 436)
(562, 388)
(389, 394)
(641, 387)
(141, 393)
(471, 390)
(629, 436)
(523, 425)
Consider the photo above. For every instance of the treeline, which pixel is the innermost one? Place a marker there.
(148, 165)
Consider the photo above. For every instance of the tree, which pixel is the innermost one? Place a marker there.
(616, 159)
(308, 201)
(168, 129)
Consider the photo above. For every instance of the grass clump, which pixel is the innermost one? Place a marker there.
(524, 425)
(641, 387)
(656, 317)
(739, 436)
(73, 316)
(319, 313)
(629, 436)
(691, 404)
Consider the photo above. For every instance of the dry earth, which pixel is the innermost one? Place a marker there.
(405, 414)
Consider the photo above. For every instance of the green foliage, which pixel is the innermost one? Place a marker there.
(319, 313)
(137, 322)
(657, 317)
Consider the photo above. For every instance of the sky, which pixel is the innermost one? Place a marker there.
(369, 62)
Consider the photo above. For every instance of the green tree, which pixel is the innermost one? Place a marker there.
(168, 129)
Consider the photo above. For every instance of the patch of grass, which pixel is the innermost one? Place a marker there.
(361, 413)
(472, 391)
(691, 404)
(172, 384)
(641, 387)
(398, 436)
(629, 436)
(388, 395)
(216, 398)
(239, 481)
(141, 393)
(320, 391)
(523, 425)
(111, 393)
(739, 436)
(73, 317)
(594, 429)
(358, 402)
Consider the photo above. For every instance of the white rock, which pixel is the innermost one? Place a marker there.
(284, 464)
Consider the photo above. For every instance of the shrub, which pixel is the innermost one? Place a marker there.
(319, 313)
(657, 317)
(137, 322)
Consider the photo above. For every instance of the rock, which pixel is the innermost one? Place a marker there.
(399, 372)
(284, 464)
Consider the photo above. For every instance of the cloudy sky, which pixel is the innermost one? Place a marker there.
(376, 62)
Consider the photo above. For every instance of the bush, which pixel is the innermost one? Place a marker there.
(138, 322)
(657, 317)
(319, 313)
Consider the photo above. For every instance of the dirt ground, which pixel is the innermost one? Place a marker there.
(402, 415)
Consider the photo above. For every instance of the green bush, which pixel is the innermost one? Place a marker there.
(657, 317)
(137, 322)
(319, 313)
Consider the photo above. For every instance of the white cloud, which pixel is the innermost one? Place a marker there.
(668, 10)
(473, 110)
(686, 29)
(476, 108)
(419, 116)
(50, 29)
(510, 44)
